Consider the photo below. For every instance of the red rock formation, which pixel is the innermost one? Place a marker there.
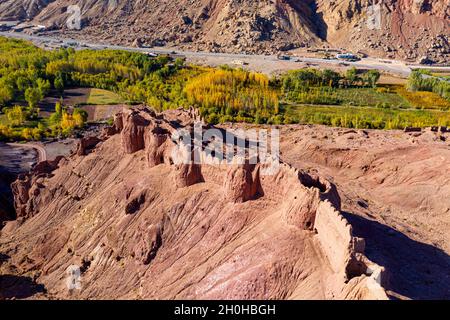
(85, 145)
(185, 239)
(148, 241)
(301, 209)
(27, 188)
(187, 175)
(157, 141)
(242, 183)
(21, 188)
(134, 125)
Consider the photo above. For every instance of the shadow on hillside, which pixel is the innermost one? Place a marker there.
(321, 27)
(416, 270)
(18, 287)
(3, 258)
(7, 211)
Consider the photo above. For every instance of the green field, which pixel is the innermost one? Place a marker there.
(103, 97)
(366, 118)
(384, 96)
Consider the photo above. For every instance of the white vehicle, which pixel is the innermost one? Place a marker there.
(239, 62)
(151, 54)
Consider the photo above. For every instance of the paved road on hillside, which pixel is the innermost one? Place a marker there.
(392, 66)
(42, 154)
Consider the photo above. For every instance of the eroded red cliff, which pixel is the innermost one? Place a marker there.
(139, 225)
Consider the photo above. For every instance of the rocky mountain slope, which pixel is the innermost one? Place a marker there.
(21, 10)
(8, 173)
(409, 28)
(141, 226)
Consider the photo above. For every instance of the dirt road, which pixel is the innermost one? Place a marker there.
(262, 63)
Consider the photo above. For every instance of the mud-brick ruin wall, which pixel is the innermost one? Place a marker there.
(334, 234)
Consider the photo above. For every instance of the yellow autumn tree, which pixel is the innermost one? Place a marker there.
(68, 123)
(236, 89)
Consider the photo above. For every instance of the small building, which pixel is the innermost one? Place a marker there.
(348, 57)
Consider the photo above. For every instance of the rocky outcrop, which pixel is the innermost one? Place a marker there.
(405, 29)
(85, 145)
(301, 209)
(148, 241)
(135, 204)
(158, 142)
(187, 175)
(26, 9)
(242, 183)
(27, 188)
(21, 188)
(215, 231)
(134, 126)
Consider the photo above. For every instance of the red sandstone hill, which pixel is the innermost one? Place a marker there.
(140, 226)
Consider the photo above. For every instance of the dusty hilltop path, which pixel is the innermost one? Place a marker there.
(394, 188)
(140, 226)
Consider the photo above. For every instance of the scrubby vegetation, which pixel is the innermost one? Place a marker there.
(424, 99)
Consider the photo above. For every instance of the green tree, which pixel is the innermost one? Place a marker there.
(330, 78)
(179, 63)
(58, 108)
(352, 76)
(6, 94)
(59, 84)
(5, 132)
(80, 117)
(371, 78)
(43, 86)
(22, 83)
(33, 96)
